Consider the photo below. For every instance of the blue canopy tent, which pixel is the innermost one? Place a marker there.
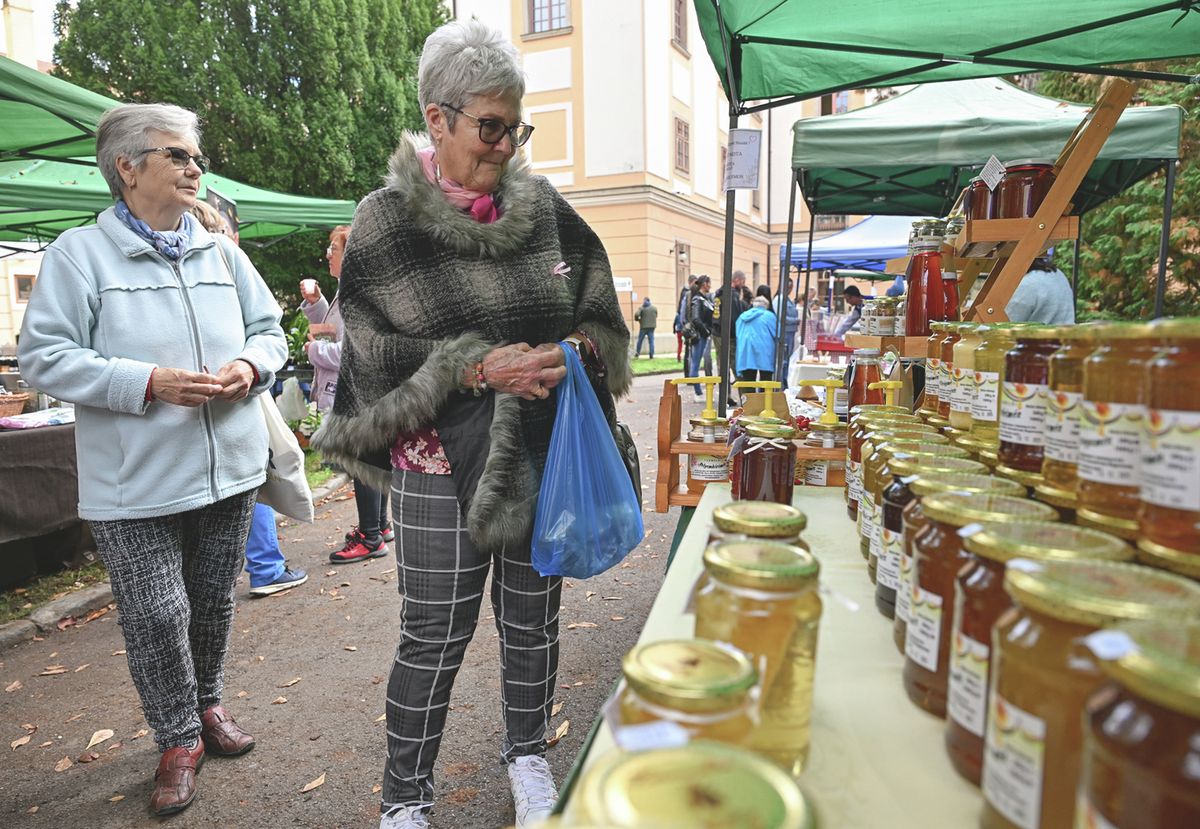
(867, 246)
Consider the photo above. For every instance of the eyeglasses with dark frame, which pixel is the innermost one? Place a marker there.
(493, 130)
(180, 157)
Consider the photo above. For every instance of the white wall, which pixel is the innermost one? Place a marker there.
(615, 105)
(491, 12)
(659, 123)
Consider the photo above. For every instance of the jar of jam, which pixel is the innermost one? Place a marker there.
(915, 523)
(1042, 674)
(873, 461)
(761, 597)
(704, 469)
(937, 556)
(946, 383)
(763, 521)
(997, 339)
(868, 429)
(857, 432)
(737, 445)
(1141, 731)
(865, 371)
(700, 784)
(1023, 400)
(979, 600)
(768, 464)
(926, 299)
(933, 368)
(1169, 518)
(1024, 186)
(825, 472)
(702, 688)
(1060, 460)
(980, 200)
(963, 385)
(1112, 418)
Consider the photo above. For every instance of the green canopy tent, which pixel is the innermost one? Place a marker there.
(45, 117)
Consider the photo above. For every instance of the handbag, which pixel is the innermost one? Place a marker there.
(286, 488)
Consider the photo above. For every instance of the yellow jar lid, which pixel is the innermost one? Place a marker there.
(760, 519)
(929, 483)
(887, 417)
(1083, 332)
(689, 674)
(906, 429)
(961, 508)
(1040, 332)
(1177, 328)
(1028, 479)
(1062, 498)
(770, 430)
(1177, 561)
(702, 784)
(766, 565)
(1098, 593)
(746, 420)
(827, 427)
(708, 421)
(908, 463)
(1043, 540)
(875, 442)
(1126, 331)
(1163, 664)
(890, 448)
(878, 408)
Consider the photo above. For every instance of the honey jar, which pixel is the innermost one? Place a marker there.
(933, 369)
(1142, 729)
(875, 433)
(1169, 516)
(1042, 674)
(937, 556)
(873, 464)
(768, 464)
(854, 441)
(825, 472)
(737, 445)
(1023, 403)
(979, 600)
(762, 520)
(962, 390)
(1112, 419)
(1060, 461)
(761, 597)
(864, 371)
(996, 340)
(946, 367)
(704, 469)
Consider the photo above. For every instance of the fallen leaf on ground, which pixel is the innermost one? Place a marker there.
(65, 622)
(15, 685)
(53, 670)
(118, 653)
(381, 718)
(63, 764)
(312, 784)
(617, 618)
(28, 726)
(113, 746)
(577, 684)
(116, 798)
(242, 694)
(463, 795)
(559, 733)
(574, 625)
(350, 648)
(260, 657)
(20, 741)
(33, 810)
(87, 757)
(46, 744)
(290, 683)
(75, 717)
(387, 572)
(376, 789)
(100, 736)
(610, 598)
(589, 595)
(279, 701)
(558, 706)
(96, 614)
(331, 572)
(84, 665)
(141, 733)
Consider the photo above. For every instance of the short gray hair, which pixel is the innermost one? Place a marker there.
(123, 132)
(465, 58)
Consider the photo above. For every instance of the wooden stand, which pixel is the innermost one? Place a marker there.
(670, 488)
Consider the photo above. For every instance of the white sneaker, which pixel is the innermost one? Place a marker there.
(404, 817)
(532, 788)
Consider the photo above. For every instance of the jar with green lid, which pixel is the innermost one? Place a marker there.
(1060, 458)
(763, 464)
(979, 600)
(962, 391)
(1112, 420)
(762, 520)
(997, 339)
(872, 487)
(1023, 404)
(1142, 730)
(761, 597)
(702, 784)
(915, 522)
(937, 557)
(701, 689)
(1042, 674)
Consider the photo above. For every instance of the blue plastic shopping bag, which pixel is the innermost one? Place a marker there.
(588, 517)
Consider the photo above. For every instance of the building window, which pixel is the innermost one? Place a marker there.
(24, 285)
(548, 15)
(683, 146)
(841, 102)
(680, 24)
(756, 273)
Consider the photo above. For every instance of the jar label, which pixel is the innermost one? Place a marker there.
(985, 405)
(904, 591)
(945, 382)
(1110, 442)
(866, 510)
(924, 627)
(933, 376)
(1013, 763)
(962, 391)
(816, 473)
(854, 480)
(1062, 426)
(1170, 466)
(966, 700)
(876, 548)
(887, 569)
(1087, 816)
(708, 468)
(1023, 413)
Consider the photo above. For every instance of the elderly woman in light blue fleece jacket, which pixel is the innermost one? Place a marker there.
(161, 335)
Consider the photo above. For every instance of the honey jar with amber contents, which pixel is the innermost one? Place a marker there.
(768, 464)
(1023, 404)
(997, 339)
(761, 520)
(876, 434)
(869, 513)
(946, 368)
(1042, 674)
(1064, 397)
(858, 430)
(933, 370)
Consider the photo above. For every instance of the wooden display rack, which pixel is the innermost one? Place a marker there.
(670, 488)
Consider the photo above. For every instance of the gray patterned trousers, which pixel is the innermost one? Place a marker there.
(173, 579)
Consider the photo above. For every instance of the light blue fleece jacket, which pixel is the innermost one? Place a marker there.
(107, 309)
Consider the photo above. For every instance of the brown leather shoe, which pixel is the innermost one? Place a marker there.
(175, 780)
(222, 735)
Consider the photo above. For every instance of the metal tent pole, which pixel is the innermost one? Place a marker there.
(730, 205)
(1160, 290)
(812, 223)
(785, 274)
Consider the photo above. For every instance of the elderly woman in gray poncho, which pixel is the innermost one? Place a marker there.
(459, 278)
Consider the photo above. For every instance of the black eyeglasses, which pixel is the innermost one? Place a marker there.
(180, 157)
(493, 130)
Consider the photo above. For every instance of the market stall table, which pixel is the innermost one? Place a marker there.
(877, 760)
(39, 488)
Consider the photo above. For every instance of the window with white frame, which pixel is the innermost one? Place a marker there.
(548, 15)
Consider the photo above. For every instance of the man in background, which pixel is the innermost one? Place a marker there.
(647, 318)
(734, 307)
(854, 299)
(681, 317)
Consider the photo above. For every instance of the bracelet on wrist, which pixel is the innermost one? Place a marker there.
(479, 386)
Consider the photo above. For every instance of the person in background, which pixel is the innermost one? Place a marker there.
(265, 562)
(369, 539)
(680, 319)
(1043, 295)
(736, 305)
(647, 318)
(791, 322)
(897, 287)
(170, 453)
(756, 341)
(700, 324)
(764, 291)
(854, 298)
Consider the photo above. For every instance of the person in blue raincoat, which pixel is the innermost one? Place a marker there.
(756, 341)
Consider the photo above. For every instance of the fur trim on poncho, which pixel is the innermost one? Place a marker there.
(426, 291)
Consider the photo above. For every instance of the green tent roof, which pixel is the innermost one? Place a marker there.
(44, 117)
(803, 48)
(912, 154)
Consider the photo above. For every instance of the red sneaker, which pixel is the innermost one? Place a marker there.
(359, 548)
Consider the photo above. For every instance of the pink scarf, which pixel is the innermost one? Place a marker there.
(481, 206)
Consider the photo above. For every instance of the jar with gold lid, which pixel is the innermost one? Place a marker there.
(979, 600)
(873, 435)
(856, 433)
(1023, 403)
(701, 688)
(997, 339)
(823, 471)
(1042, 674)
(1060, 461)
(698, 785)
(962, 390)
(1112, 419)
(933, 369)
(946, 381)
(762, 520)
(761, 597)
(767, 469)
(937, 556)
(1142, 730)
(872, 487)
(737, 445)
(704, 469)
(1169, 516)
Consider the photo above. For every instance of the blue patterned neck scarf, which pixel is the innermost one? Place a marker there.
(170, 243)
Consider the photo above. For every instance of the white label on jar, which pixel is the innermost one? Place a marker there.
(1013, 763)
(887, 569)
(652, 735)
(854, 479)
(946, 382)
(1087, 816)
(1110, 442)
(933, 377)
(962, 391)
(904, 591)
(1023, 413)
(985, 405)
(876, 548)
(866, 509)
(966, 700)
(1170, 467)
(924, 627)
(817, 473)
(1062, 426)
(708, 468)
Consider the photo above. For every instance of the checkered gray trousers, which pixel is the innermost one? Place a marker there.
(441, 579)
(173, 579)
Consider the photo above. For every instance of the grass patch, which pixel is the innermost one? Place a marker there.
(314, 471)
(660, 365)
(19, 602)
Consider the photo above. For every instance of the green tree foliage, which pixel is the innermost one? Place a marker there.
(1119, 260)
(299, 96)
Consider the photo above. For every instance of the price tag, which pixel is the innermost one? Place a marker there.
(992, 172)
